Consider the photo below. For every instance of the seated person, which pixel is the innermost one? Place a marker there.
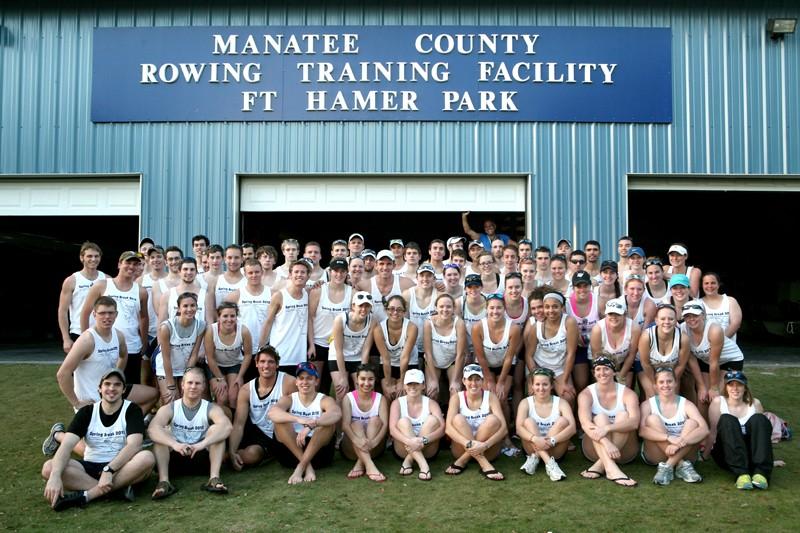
(609, 414)
(305, 423)
(189, 436)
(365, 421)
(112, 429)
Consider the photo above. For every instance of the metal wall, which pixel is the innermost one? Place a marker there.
(736, 101)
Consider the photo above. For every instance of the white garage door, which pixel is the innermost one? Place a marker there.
(79, 196)
(383, 193)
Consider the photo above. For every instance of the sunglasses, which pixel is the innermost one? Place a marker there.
(363, 297)
(577, 261)
(651, 262)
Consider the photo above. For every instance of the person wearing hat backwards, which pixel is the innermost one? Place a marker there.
(368, 256)
(421, 299)
(384, 284)
(740, 437)
(398, 248)
(471, 308)
(476, 426)
(609, 415)
(113, 460)
(678, 254)
(305, 423)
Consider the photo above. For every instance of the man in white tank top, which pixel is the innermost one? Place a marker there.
(290, 249)
(305, 423)
(220, 287)
(188, 283)
(73, 294)
(189, 437)
(253, 300)
(173, 256)
(199, 246)
(132, 319)
(384, 284)
(114, 458)
(286, 327)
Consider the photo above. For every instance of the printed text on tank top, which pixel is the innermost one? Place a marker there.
(545, 414)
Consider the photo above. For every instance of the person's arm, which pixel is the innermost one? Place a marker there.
(274, 307)
(627, 364)
(585, 409)
(247, 356)
(237, 430)
(531, 343)
(331, 413)
(694, 282)
(158, 432)
(64, 301)
(644, 359)
(217, 382)
(366, 349)
(211, 300)
(386, 361)
(122, 360)
(313, 301)
(496, 409)
(394, 418)
(757, 405)
(461, 356)
(645, 431)
(201, 333)
(452, 411)
(565, 434)
(713, 420)
(650, 310)
(519, 421)
(431, 383)
(144, 319)
(88, 305)
(163, 307)
(474, 235)
(630, 423)
(436, 411)
(82, 348)
(480, 355)
(347, 427)
(55, 486)
(407, 283)
(572, 346)
(514, 342)
(164, 334)
(410, 344)
(715, 340)
(219, 430)
(596, 340)
(279, 412)
(232, 297)
(735, 317)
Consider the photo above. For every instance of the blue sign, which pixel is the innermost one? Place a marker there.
(387, 73)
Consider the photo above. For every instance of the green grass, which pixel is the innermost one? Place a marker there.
(261, 500)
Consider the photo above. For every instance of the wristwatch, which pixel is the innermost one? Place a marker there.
(110, 470)
(552, 441)
(425, 441)
(469, 445)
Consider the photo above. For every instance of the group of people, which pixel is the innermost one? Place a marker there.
(492, 343)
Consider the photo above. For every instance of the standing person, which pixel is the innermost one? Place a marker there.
(740, 436)
(510, 259)
(497, 253)
(636, 257)
(421, 299)
(74, 291)
(542, 257)
(436, 258)
(168, 307)
(396, 341)
(385, 284)
(679, 293)
(290, 249)
(490, 279)
(248, 251)
(445, 343)
(174, 259)
(179, 341)
(313, 252)
(455, 243)
(616, 337)
(582, 305)
(476, 426)
(655, 287)
(609, 415)
(214, 258)
(228, 346)
(624, 244)
(305, 423)
(199, 246)
(112, 429)
(412, 256)
(267, 257)
(253, 435)
(671, 427)
(416, 425)
(564, 247)
(351, 342)
(474, 249)
(355, 243)
(452, 280)
(527, 268)
(721, 308)
(369, 263)
(132, 318)
(325, 303)
(638, 308)
(145, 245)
(339, 249)
(230, 281)
(189, 437)
(678, 254)
(517, 314)
(593, 265)
(489, 232)
(544, 424)
(471, 308)
(286, 327)
(525, 249)
(355, 271)
(253, 300)
(365, 422)
(398, 248)
(609, 287)
(558, 275)
(155, 260)
(577, 263)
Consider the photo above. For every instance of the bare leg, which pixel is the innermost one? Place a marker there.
(485, 431)
(252, 455)
(463, 428)
(161, 453)
(233, 391)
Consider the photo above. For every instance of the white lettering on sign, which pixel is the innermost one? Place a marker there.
(194, 72)
(457, 101)
(470, 43)
(249, 99)
(309, 44)
(361, 101)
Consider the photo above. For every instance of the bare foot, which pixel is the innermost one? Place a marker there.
(296, 477)
(310, 474)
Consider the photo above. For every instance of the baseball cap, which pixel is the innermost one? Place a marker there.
(413, 376)
(604, 361)
(526, 241)
(146, 240)
(473, 280)
(111, 372)
(339, 241)
(129, 255)
(426, 267)
(354, 236)
(564, 240)
(615, 305)
(636, 251)
(679, 279)
(396, 241)
(694, 307)
(455, 239)
(735, 375)
(473, 370)
(581, 277)
(678, 249)
(385, 254)
(475, 243)
(338, 263)
(362, 297)
(307, 368)
(608, 263)
(369, 252)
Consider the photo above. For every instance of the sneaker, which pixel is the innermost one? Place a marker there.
(554, 471)
(147, 442)
(69, 499)
(760, 482)
(664, 474)
(127, 494)
(744, 482)
(685, 471)
(50, 444)
(530, 464)
(511, 451)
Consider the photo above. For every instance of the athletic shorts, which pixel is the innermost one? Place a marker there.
(199, 465)
(230, 369)
(581, 355)
(730, 365)
(637, 366)
(349, 366)
(289, 369)
(321, 353)
(253, 436)
(323, 458)
(74, 336)
(396, 370)
(95, 470)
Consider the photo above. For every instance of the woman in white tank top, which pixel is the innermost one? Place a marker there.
(228, 353)
(445, 340)
(638, 308)
(671, 428)
(471, 308)
(351, 341)
(616, 337)
(655, 286)
(662, 345)
(365, 421)
(395, 338)
(416, 425)
(421, 300)
(545, 424)
(721, 308)
(678, 254)
(325, 303)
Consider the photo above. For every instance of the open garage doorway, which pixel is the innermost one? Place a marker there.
(747, 237)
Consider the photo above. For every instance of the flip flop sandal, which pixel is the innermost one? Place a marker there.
(487, 473)
(164, 489)
(406, 470)
(424, 476)
(216, 486)
(458, 469)
(355, 474)
(617, 480)
(377, 478)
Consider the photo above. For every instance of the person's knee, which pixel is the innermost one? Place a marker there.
(600, 420)
(145, 459)
(759, 421)
(654, 422)
(404, 425)
(728, 421)
(492, 423)
(47, 468)
(690, 425)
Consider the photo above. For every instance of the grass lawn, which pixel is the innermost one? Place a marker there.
(260, 500)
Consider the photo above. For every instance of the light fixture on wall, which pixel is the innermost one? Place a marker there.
(777, 28)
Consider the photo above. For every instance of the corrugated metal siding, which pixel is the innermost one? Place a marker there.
(735, 103)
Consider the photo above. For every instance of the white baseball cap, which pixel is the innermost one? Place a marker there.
(413, 376)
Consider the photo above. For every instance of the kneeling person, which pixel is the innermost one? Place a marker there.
(189, 435)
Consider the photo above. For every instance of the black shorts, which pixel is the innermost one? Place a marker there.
(396, 370)
(495, 370)
(253, 436)
(321, 353)
(730, 365)
(199, 465)
(581, 355)
(73, 336)
(289, 369)
(323, 458)
(349, 366)
(95, 470)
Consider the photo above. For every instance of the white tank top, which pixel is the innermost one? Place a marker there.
(188, 431)
(104, 443)
(674, 425)
(443, 347)
(730, 351)
(172, 302)
(597, 408)
(585, 324)
(225, 287)
(352, 342)
(396, 350)
(639, 317)
(475, 417)
(147, 284)
(357, 415)
(253, 309)
(721, 315)
(227, 354)
(495, 352)
(289, 333)
(312, 411)
(672, 357)
(128, 308)
(724, 410)
(378, 310)
(544, 424)
(89, 371)
(416, 423)
(519, 320)
(180, 349)
(418, 314)
(620, 352)
(552, 353)
(82, 286)
(470, 320)
(259, 407)
(327, 311)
